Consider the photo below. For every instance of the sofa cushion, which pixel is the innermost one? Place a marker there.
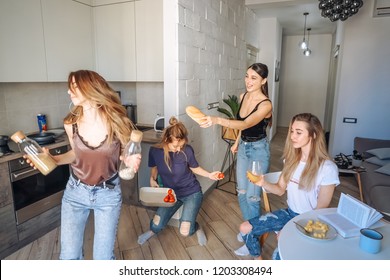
(384, 169)
(381, 153)
(370, 178)
(377, 161)
(362, 144)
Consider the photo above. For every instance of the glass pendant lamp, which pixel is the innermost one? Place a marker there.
(307, 51)
(303, 43)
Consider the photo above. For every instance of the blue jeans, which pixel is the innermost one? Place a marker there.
(78, 200)
(191, 206)
(273, 221)
(248, 193)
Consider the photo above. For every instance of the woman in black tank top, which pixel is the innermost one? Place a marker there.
(253, 118)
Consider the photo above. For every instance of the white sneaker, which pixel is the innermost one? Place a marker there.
(242, 251)
(239, 237)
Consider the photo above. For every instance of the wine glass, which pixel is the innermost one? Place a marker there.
(254, 171)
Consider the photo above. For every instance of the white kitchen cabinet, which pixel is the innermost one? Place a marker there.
(40, 44)
(88, 2)
(68, 39)
(115, 41)
(149, 40)
(22, 50)
(107, 2)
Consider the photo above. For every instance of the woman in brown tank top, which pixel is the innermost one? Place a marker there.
(98, 128)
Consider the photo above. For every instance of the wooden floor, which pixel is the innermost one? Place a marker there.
(219, 216)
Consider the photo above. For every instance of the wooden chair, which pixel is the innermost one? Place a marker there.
(273, 178)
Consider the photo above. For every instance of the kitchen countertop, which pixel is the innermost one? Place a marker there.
(59, 142)
(149, 136)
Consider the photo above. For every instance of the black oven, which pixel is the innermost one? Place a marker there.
(33, 192)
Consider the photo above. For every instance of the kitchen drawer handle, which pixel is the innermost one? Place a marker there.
(17, 175)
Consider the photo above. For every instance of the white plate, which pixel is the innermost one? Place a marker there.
(330, 234)
(57, 132)
(155, 197)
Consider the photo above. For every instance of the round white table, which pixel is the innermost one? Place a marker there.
(293, 245)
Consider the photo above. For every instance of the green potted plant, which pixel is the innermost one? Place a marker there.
(234, 105)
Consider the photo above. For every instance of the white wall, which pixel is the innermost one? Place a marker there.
(270, 50)
(252, 28)
(204, 61)
(363, 85)
(304, 80)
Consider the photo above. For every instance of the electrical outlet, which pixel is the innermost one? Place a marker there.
(212, 105)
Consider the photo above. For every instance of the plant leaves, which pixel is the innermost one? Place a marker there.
(232, 102)
(226, 112)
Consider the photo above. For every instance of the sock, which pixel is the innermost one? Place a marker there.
(144, 237)
(275, 254)
(242, 251)
(239, 237)
(202, 239)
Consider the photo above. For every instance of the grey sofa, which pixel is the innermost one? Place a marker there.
(375, 185)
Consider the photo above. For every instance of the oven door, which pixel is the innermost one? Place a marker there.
(35, 193)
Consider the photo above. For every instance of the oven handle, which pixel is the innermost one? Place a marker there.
(15, 176)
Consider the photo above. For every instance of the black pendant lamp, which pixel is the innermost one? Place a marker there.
(339, 9)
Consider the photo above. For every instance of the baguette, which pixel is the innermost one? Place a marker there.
(195, 114)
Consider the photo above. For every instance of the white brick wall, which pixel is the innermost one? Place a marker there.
(212, 64)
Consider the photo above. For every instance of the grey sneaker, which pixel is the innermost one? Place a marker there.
(239, 237)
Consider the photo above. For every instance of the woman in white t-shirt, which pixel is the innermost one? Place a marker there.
(309, 175)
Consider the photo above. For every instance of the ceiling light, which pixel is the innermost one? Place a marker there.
(303, 44)
(339, 9)
(307, 51)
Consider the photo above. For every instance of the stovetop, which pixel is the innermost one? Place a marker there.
(5, 150)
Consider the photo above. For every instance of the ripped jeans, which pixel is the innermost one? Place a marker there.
(248, 193)
(191, 206)
(273, 221)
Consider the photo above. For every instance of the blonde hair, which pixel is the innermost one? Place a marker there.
(317, 156)
(95, 88)
(177, 130)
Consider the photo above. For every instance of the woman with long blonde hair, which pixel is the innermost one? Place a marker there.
(309, 176)
(97, 128)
